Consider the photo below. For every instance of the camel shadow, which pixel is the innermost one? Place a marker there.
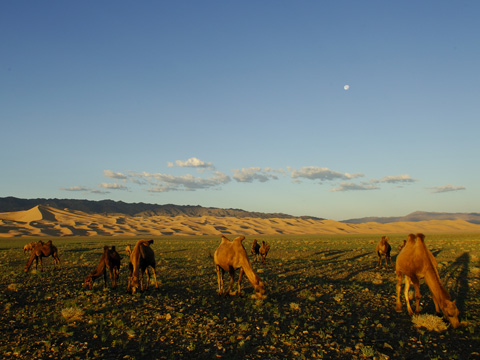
(456, 279)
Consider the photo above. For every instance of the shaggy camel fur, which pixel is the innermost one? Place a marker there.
(383, 250)
(43, 250)
(110, 260)
(264, 251)
(141, 257)
(29, 247)
(229, 256)
(414, 262)
(255, 250)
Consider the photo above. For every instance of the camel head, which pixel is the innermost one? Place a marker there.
(260, 290)
(451, 312)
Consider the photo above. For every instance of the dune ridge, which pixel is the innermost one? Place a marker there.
(47, 221)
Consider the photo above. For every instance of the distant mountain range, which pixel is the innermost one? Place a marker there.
(9, 204)
(416, 216)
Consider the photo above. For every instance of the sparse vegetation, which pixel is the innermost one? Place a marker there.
(325, 300)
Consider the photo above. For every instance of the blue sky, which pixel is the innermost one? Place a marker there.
(241, 104)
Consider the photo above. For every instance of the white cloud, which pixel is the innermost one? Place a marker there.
(114, 175)
(348, 186)
(165, 182)
(446, 188)
(321, 173)
(394, 179)
(255, 173)
(113, 186)
(192, 162)
(75, 188)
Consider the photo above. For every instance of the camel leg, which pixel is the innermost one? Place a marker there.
(386, 262)
(112, 279)
(416, 284)
(231, 272)
(155, 277)
(105, 277)
(379, 263)
(220, 273)
(240, 276)
(147, 272)
(41, 263)
(407, 299)
(399, 289)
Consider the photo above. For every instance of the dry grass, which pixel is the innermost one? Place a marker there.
(72, 314)
(430, 322)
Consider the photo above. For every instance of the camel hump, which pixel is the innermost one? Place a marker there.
(239, 239)
(225, 239)
(150, 241)
(105, 248)
(421, 237)
(113, 248)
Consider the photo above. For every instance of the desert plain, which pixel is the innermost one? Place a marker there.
(325, 297)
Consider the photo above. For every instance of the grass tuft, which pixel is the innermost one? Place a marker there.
(430, 322)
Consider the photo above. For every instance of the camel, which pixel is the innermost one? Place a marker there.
(110, 260)
(402, 245)
(29, 247)
(43, 250)
(414, 262)
(141, 257)
(264, 251)
(383, 249)
(229, 256)
(255, 250)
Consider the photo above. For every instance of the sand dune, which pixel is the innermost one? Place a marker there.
(48, 221)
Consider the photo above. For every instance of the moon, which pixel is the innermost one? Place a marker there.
(346, 87)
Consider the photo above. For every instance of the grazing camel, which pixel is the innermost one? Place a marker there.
(383, 249)
(110, 260)
(229, 256)
(264, 251)
(29, 247)
(43, 250)
(414, 262)
(255, 250)
(141, 257)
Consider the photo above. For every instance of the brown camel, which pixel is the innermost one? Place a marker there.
(141, 257)
(255, 250)
(383, 250)
(264, 251)
(229, 256)
(414, 262)
(402, 245)
(110, 260)
(43, 250)
(29, 247)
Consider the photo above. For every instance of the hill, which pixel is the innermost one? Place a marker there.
(44, 220)
(10, 204)
(416, 216)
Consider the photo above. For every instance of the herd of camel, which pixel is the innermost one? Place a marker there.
(414, 262)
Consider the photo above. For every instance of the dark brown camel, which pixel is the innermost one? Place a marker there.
(255, 250)
(264, 249)
(383, 250)
(40, 251)
(141, 257)
(110, 260)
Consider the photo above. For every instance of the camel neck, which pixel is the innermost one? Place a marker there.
(433, 282)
